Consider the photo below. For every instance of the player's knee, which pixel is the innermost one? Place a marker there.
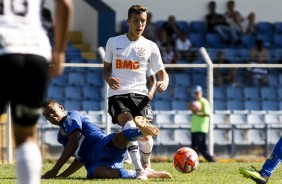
(124, 117)
(132, 145)
(145, 138)
(146, 146)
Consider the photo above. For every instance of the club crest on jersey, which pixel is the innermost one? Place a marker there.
(140, 51)
(69, 121)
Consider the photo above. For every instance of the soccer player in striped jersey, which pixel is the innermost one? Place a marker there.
(25, 55)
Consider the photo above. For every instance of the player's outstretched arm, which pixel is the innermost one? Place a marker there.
(67, 153)
(75, 166)
(63, 17)
(163, 80)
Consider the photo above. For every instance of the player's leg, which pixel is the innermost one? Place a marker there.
(107, 157)
(28, 156)
(194, 142)
(204, 149)
(275, 159)
(133, 150)
(146, 146)
(119, 141)
(146, 143)
(120, 112)
(26, 109)
(110, 173)
(268, 167)
(127, 158)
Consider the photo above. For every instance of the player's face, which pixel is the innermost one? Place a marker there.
(54, 113)
(197, 95)
(136, 24)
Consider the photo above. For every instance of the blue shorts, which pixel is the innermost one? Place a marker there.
(105, 154)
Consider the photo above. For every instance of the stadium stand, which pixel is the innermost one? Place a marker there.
(256, 136)
(251, 93)
(72, 104)
(219, 105)
(264, 27)
(270, 105)
(278, 27)
(179, 105)
(248, 40)
(76, 79)
(219, 93)
(252, 105)
(90, 105)
(50, 137)
(278, 40)
(56, 92)
(213, 40)
(183, 120)
(182, 137)
(234, 93)
(222, 137)
(73, 93)
(197, 39)
(91, 93)
(166, 137)
(198, 27)
(235, 105)
(181, 93)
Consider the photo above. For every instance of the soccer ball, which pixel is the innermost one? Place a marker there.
(196, 105)
(185, 160)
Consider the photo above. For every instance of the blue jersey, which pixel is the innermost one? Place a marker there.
(90, 134)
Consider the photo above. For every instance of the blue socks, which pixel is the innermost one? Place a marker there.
(132, 134)
(271, 163)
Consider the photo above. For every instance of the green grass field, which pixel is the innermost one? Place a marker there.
(207, 173)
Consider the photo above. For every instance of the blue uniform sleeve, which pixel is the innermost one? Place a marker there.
(72, 122)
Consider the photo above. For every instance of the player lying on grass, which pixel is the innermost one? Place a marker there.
(101, 154)
(262, 176)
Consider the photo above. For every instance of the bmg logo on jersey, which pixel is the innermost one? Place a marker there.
(127, 64)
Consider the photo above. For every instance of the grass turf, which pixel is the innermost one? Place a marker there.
(207, 173)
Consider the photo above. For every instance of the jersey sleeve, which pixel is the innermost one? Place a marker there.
(109, 51)
(207, 108)
(72, 122)
(156, 63)
(149, 72)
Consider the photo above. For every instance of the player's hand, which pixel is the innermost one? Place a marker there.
(57, 64)
(161, 86)
(50, 174)
(114, 83)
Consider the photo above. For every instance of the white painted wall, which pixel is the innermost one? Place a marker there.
(85, 18)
